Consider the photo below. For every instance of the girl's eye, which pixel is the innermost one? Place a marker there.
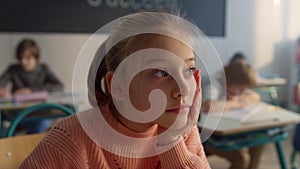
(190, 71)
(161, 73)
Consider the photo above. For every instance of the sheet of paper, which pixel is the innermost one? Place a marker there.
(255, 112)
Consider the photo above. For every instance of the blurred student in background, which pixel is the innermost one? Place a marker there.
(28, 76)
(241, 57)
(240, 78)
(238, 57)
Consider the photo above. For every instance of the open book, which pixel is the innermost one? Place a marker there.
(256, 112)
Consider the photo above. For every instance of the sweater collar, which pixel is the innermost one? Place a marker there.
(115, 124)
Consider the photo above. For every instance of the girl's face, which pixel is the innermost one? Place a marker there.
(179, 100)
(28, 61)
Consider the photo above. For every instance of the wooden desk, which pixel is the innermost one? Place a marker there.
(15, 149)
(282, 117)
(233, 128)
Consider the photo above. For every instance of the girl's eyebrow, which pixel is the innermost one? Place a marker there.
(190, 59)
(160, 60)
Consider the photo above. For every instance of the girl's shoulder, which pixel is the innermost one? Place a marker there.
(68, 124)
(68, 132)
(71, 125)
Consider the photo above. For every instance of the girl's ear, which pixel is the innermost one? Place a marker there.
(108, 79)
(117, 91)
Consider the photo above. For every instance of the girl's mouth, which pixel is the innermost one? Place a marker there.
(180, 110)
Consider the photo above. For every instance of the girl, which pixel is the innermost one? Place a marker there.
(146, 97)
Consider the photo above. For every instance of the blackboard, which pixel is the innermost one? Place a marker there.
(87, 16)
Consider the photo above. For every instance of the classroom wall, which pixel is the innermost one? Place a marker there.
(276, 27)
(266, 32)
(60, 50)
(254, 27)
(239, 30)
(6, 51)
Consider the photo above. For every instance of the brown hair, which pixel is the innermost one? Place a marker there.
(240, 74)
(123, 41)
(26, 44)
(114, 57)
(238, 57)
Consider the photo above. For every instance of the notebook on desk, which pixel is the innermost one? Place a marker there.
(34, 96)
(252, 113)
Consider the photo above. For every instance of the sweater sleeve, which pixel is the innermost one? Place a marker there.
(52, 152)
(5, 78)
(188, 153)
(51, 81)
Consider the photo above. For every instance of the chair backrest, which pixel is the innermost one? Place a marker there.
(296, 143)
(14, 150)
(296, 140)
(38, 108)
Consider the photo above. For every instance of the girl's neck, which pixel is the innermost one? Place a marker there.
(136, 127)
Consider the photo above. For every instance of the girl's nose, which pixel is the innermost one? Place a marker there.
(181, 88)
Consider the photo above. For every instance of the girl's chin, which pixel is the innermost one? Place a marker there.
(178, 124)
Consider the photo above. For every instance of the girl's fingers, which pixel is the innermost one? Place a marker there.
(197, 77)
(193, 115)
(199, 83)
(195, 109)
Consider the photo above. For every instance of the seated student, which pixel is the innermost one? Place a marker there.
(241, 57)
(240, 78)
(29, 75)
(102, 137)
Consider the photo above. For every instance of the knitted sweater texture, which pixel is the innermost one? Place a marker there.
(67, 146)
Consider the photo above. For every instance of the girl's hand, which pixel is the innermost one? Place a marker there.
(172, 134)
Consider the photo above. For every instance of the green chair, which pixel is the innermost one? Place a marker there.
(38, 108)
(250, 139)
(296, 144)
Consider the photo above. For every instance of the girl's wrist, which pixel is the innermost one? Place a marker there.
(160, 148)
(167, 140)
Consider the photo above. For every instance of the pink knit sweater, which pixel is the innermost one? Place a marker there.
(67, 146)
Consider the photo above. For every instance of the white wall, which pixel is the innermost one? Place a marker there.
(239, 33)
(7, 52)
(276, 28)
(260, 29)
(292, 19)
